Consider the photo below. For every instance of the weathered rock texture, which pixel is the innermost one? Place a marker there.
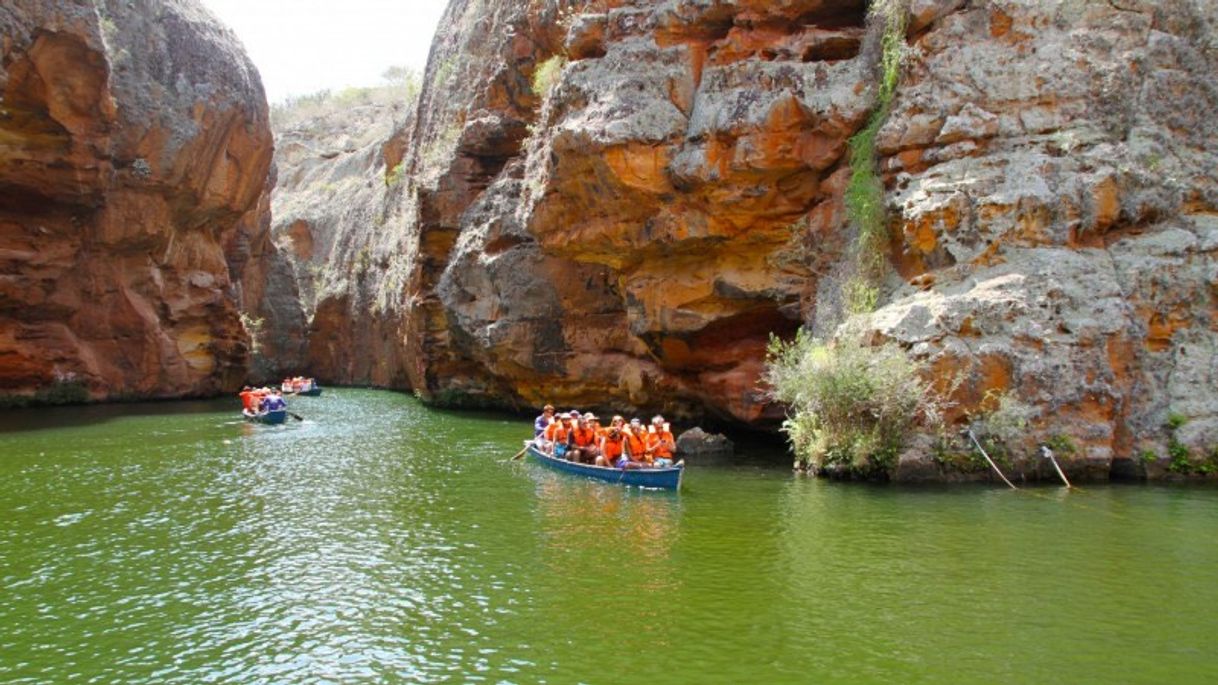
(133, 141)
(632, 234)
(1054, 200)
(339, 217)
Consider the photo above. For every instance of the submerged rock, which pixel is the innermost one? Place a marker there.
(699, 444)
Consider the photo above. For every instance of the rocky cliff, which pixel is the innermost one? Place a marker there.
(1053, 198)
(630, 230)
(339, 218)
(627, 232)
(617, 203)
(134, 147)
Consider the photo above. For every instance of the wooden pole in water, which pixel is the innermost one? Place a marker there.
(1048, 454)
(991, 461)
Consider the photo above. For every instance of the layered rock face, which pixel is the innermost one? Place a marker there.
(1054, 201)
(133, 141)
(340, 219)
(631, 234)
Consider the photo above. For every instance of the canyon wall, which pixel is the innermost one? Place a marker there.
(615, 204)
(134, 149)
(1053, 197)
(626, 234)
(339, 218)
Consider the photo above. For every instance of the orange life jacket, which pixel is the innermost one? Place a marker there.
(556, 432)
(613, 447)
(637, 446)
(247, 400)
(658, 444)
(584, 437)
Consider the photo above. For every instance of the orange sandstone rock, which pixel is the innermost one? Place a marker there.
(132, 146)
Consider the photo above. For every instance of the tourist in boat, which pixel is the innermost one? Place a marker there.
(636, 442)
(257, 397)
(583, 440)
(613, 446)
(556, 435)
(249, 399)
(660, 442)
(272, 402)
(542, 422)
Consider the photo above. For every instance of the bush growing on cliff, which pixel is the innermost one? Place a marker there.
(547, 74)
(852, 407)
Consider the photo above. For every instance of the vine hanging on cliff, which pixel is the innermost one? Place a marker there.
(865, 191)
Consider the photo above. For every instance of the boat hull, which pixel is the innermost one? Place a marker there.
(662, 479)
(311, 392)
(268, 417)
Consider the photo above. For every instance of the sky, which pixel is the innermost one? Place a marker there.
(303, 46)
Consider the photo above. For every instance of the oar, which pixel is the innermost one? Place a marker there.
(296, 416)
(521, 452)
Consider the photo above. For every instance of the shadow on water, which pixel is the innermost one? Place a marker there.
(32, 419)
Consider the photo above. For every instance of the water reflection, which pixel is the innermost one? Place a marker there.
(612, 541)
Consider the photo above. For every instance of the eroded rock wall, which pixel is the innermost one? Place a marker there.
(339, 216)
(615, 203)
(1054, 201)
(631, 234)
(133, 141)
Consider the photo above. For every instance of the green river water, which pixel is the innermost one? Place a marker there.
(380, 541)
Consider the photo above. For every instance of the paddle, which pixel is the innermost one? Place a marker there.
(296, 416)
(521, 452)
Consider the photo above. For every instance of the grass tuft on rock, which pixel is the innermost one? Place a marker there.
(865, 192)
(546, 75)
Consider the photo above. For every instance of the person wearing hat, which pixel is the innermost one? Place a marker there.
(660, 441)
(636, 441)
(557, 435)
(542, 422)
(584, 440)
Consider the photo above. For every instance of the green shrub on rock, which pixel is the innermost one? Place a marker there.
(547, 74)
(852, 407)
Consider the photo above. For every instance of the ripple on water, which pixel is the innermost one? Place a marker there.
(381, 542)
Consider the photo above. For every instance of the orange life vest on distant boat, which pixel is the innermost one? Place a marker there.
(556, 432)
(637, 446)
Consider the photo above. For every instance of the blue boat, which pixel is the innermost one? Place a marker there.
(667, 478)
(312, 389)
(275, 417)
